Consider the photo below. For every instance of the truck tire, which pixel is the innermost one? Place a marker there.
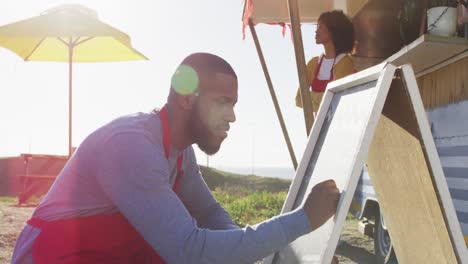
(384, 253)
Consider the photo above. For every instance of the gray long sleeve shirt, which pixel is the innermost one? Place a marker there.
(122, 167)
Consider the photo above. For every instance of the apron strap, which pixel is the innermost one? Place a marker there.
(165, 130)
(320, 65)
(167, 147)
(320, 85)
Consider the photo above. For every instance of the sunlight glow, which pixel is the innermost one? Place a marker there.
(34, 95)
(185, 80)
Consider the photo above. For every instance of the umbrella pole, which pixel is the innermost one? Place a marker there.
(70, 60)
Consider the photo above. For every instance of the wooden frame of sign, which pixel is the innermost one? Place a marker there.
(378, 112)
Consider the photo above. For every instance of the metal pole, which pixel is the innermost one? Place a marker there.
(253, 150)
(422, 26)
(301, 64)
(70, 62)
(273, 95)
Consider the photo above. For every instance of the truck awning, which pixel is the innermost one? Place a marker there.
(276, 11)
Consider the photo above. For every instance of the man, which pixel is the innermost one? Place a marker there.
(132, 192)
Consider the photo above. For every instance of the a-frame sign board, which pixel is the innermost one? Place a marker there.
(377, 117)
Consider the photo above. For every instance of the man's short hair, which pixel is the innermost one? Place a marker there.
(210, 62)
(185, 80)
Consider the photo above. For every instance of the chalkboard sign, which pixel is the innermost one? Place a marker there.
(337, 149)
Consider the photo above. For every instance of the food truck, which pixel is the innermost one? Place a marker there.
(397, 32)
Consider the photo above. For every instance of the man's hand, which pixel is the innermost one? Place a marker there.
(321, 203)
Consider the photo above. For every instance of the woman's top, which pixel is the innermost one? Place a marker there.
(330, 69)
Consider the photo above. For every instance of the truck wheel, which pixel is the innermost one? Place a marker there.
(382, 243)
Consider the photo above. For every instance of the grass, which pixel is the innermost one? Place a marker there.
(250, 208)
(7, 199)
(248, 199)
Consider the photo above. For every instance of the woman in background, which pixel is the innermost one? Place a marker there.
(335, 32)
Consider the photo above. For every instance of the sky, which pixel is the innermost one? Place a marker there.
(34, 95)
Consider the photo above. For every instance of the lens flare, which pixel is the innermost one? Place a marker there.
(185, 80)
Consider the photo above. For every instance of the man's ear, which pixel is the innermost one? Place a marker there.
(187, 102)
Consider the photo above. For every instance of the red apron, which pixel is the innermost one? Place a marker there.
(98, 238)
(321, 85)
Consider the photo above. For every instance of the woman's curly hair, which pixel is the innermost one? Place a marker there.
(341, 29)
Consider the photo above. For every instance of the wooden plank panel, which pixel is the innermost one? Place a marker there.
(445, 85)
(37, 176)
(438, 178)
(404, 187)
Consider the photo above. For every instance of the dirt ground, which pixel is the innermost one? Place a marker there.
(354, 248)
(12, 220)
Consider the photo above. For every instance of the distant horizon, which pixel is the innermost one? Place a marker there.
(263, 171)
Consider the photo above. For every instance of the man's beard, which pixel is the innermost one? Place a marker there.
(201, 133)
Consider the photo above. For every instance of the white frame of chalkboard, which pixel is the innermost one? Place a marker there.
(383, 73)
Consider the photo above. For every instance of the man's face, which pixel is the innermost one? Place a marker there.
(213, 111)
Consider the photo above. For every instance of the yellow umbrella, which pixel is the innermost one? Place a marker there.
(68, 33)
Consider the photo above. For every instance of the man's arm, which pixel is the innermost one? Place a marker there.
(133, 173)
(199, 200)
